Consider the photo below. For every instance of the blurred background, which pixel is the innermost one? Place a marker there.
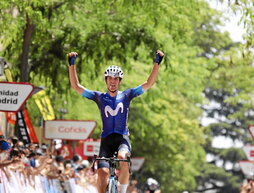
(190, 127)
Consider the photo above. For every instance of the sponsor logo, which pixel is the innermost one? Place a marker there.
(71, 130)
(89, 148)
(109, 110)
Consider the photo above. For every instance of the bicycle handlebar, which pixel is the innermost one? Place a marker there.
(111, 160)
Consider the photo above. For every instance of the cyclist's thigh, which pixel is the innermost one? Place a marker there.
(107, 150)
(124, 144)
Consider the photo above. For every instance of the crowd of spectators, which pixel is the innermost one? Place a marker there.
(41, 168)
(24, 165)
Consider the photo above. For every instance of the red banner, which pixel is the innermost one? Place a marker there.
(66, 151)
(11, 117)
(30, 127)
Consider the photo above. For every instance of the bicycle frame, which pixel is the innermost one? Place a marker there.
(113, 179)
(112, 185)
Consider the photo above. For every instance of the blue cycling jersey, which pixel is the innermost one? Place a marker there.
(114, 110)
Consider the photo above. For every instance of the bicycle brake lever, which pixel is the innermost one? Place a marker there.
(94, 160)
(130, 164)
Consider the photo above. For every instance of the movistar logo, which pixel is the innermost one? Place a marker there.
(109, 110)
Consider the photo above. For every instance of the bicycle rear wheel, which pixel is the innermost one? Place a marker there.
(112, 188)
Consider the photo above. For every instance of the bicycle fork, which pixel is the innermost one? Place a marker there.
(112, 185)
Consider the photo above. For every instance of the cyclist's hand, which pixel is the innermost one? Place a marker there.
(158, 57)
(72, 58)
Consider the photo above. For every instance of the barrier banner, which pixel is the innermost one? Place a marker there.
(44, 105)
(21, 128)
(17, 182)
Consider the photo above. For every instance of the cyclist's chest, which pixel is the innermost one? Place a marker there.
(113, 101)
(114, 104)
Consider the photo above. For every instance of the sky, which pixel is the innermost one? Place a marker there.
(236, 32)
(232, 25)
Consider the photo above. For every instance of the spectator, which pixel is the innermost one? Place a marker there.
(44, 148)
(13, 141)
(4, 147)
(85, 163)
(31, 158)
(34, 169)
(4, 155)
(248, 187)
(76, 161)
(152, 186)
(132, 188)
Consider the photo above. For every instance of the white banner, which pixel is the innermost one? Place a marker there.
(14, 95)
(251, 130)
(137, 163)
(247, 168)
(2, 122)
(249, 152)
(91, 148)
(68, 129)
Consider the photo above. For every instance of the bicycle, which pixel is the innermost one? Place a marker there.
(113, 163)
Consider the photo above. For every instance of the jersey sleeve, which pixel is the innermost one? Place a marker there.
(88, 94)
(135, 92)
(138, 91)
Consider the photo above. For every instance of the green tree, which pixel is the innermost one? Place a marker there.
(164, 122)
(230, 90)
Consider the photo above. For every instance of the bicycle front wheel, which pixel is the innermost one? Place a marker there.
(112, 188)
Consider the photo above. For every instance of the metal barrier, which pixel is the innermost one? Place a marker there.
(17, 182)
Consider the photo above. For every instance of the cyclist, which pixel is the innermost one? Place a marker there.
(114, 107)
(152, 186)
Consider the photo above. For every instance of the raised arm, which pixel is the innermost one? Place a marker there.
(152, 77)
(73, 74)
(8, 162)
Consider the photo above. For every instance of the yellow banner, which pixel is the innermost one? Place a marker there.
(44, 105)
(8, 75)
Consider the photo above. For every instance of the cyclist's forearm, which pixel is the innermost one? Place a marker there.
(74, 79)
(152, 77)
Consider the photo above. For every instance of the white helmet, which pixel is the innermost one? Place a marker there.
(114, 71)
(152, 184)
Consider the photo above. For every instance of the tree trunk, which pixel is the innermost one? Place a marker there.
(27, 37)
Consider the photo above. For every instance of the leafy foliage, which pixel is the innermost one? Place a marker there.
(164, 122)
